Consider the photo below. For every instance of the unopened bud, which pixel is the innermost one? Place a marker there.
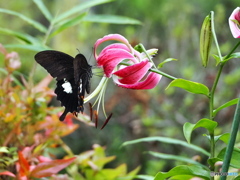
(206, 40)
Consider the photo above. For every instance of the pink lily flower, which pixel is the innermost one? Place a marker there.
(234, 23)
(134, 68)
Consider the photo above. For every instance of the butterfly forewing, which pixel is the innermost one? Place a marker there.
(73, 78)
(58, 64)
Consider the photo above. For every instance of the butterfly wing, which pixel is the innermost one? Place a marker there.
(82, 76)
(58, 64)
(67, 93)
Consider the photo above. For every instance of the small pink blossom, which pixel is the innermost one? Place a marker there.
(234, 23)
(128, 67)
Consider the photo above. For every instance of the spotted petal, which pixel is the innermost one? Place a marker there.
(134, 73)
(150, 82)
(111, 58)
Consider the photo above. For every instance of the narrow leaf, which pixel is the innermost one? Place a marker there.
(192, 170)
(24, 166)
(165, 61)
(110, 19)
(205, 123)
(79, 8)
(28, 46)
(22, 36)
(43, 9)
(46, 169)
(7, 173)
(190, 86)
(36, 24)
(174, 157)
(227, 104)
(167, 140)
(68, 23)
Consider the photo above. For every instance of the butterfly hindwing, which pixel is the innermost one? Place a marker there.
(73, 78)
(67, 96)
(58, 64)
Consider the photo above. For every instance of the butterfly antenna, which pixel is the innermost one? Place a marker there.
(91, 111)
(78, 51)
(107, 120)
(96, 118)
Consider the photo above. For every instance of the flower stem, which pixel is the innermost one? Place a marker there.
(163, 73)
(215, 37)
(149, 58)
(233, 135)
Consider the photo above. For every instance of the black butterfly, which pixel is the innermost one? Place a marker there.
(73, 78)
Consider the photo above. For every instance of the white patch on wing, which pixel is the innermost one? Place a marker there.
(80, 85)
(67, 87)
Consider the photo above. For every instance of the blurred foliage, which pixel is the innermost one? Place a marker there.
(171, 26)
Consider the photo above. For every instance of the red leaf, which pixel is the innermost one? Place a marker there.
(24, 166)
(7, 173)
(46, 169)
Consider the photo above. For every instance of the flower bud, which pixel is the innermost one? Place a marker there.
(205, 40)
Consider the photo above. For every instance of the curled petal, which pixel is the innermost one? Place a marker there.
(234, 23)
(115, 46)
(150, 82)
(111, 58)
(134, 73)
(116, 37)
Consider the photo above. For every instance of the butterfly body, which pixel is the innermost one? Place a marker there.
(73, 78)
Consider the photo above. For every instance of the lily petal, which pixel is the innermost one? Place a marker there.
(116, 37)
(150, 82)
(111, 58)
(234, 23)
(134, 73)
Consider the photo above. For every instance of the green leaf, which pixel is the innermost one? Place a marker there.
(174, 157)
(212, 161)
(205, 123)
(4, 149)
(167, 140)
(144, 177)
(192, 170)
(217, 58)
(24, 37)
(227, 104)
(36, 24)
(223, 137)
(28, 46)
(43, 9)
(79, 8)
(233, 55)
(68, 23)
(190, 86)
(235, 157)
(165, 61)
(104, 18)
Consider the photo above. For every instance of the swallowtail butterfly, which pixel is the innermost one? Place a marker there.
(73, 78)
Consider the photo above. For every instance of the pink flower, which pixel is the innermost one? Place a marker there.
(234, 23)
(128, 67)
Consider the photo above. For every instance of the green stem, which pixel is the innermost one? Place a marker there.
(233, 135)
(215, 37)
(235, 47)
(163, 74)
(149, 58)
